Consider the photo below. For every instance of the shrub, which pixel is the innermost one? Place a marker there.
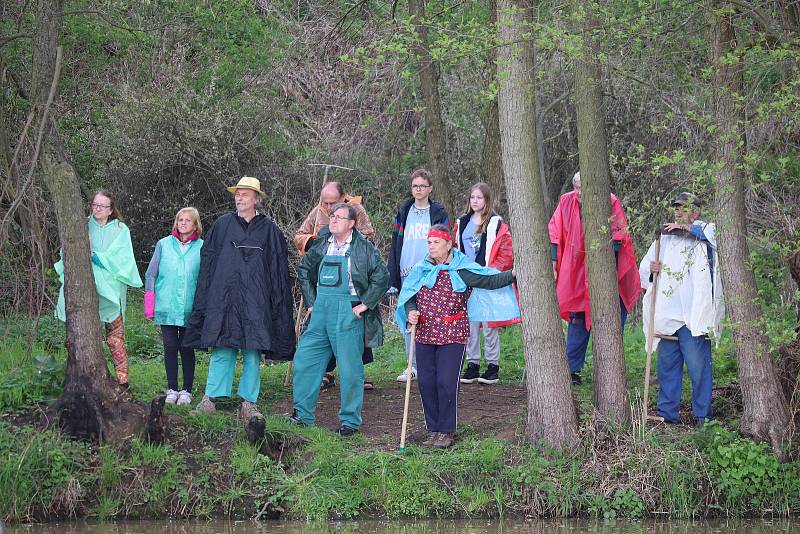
(746, 474)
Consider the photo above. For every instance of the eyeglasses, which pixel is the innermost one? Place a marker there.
(100, 206)
(338, 218)
(419, 187)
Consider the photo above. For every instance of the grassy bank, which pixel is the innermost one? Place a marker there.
(207, 469)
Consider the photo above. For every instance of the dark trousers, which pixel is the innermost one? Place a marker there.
(438, 373)
(173, 338)
(366, 358)
(578, 337)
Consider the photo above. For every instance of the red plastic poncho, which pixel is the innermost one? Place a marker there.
(572, 282)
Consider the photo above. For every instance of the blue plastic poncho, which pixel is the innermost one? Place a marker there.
(483, 304)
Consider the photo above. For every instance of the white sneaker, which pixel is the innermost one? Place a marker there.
(172, 396)
(404, 378)
(184, 397)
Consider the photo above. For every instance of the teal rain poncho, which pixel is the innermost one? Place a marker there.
(114, 269)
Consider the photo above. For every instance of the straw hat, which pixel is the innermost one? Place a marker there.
(248, 182)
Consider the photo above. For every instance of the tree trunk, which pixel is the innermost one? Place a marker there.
(491, 157)
(610, 391)
(435, 141)
(92, 405)
(551, 411)
(766, 413)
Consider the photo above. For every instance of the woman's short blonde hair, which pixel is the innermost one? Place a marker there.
(195, 216)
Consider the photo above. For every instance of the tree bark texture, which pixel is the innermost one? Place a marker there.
(765, 410)
(610, 390)
(435, 139)
(551, 410)
(91, 406)
(491, 157)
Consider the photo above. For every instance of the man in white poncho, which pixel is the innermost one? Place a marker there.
(689, 307)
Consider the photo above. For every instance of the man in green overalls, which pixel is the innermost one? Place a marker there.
(343, 279)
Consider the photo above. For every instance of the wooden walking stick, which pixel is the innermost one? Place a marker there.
(298, 326)
(650, 336)
(402, 449)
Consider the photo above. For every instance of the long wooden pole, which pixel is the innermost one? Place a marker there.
(650, 336)
(408, 389)
(298, 324)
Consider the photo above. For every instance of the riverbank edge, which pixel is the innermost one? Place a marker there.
(206, 469)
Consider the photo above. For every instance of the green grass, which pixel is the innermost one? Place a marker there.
(207, 468)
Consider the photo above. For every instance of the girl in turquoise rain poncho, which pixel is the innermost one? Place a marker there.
(114, 269)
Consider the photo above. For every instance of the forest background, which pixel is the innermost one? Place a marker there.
(168, 102)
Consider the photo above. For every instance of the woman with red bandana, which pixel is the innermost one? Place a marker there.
(441, 295)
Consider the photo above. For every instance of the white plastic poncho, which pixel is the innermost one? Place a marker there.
(686, 295)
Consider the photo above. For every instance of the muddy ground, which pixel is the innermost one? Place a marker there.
(483, 410)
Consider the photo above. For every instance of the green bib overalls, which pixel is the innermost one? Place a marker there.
(333, 329)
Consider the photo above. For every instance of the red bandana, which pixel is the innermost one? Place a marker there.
(441, 234)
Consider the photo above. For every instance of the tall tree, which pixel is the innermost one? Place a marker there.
(610, 391)
(765, 410)
(551, 411)
(92, 405)
(435, 138)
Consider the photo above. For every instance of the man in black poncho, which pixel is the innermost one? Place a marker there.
(243, 300)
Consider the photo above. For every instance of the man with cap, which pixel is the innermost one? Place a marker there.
(569, 268)
(316, 224)
(243, 300)
(689, 307)
(343, 280)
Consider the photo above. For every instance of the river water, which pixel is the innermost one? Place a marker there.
(749, 526)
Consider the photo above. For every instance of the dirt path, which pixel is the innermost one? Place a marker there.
(483, 410)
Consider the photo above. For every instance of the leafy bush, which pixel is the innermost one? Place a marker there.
(26, 380)
(746, 474)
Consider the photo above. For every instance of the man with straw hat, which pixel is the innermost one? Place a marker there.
(689, 307)
(243, 300)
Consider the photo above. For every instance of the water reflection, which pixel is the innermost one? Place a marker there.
(416, 527)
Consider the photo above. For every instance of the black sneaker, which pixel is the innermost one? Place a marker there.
(471, 374)
(576, 379)
(294, 418)
(490, 376)
(346, 431)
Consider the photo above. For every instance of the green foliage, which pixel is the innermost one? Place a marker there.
(207, 426)
(27, 379)
(746, 474)
(36, 470)
(146, 454)
(110, 471)
(679, 483)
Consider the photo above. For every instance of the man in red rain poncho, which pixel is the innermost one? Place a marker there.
(569, 268)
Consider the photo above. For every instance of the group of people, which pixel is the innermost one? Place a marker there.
(686, 308)
(230, 292)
